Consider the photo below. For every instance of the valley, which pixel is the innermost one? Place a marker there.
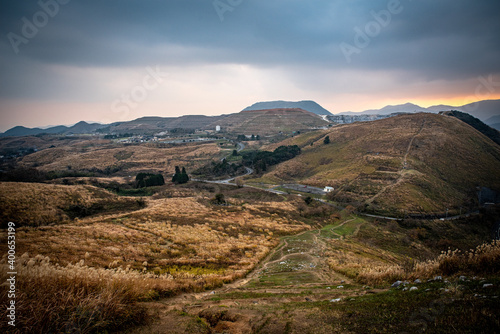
(251, 242)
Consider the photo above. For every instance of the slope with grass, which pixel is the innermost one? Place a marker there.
(37, 204)
(415, 163)
(127, 160)
(271, 121)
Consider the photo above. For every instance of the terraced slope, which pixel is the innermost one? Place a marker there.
(271, 121)
(415, 163)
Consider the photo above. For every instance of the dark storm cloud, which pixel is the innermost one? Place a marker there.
(445, 39)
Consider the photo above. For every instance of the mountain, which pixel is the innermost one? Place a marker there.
(494, 122)
(310, 106)
(78, 128)
(271, 121)
(83, 127)
(482, 109)
(418, 163)
(152, 125)
(407, 107)
(20, 131)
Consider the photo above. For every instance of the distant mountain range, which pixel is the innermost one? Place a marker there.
(78, 128)
(307, 115)
(310, 106)
(487, 111)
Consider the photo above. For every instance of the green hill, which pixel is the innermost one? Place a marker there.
(418, 163)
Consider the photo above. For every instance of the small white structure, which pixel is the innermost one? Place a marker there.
(328, 189)
(217, 128)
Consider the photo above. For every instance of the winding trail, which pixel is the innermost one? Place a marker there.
(404, 165)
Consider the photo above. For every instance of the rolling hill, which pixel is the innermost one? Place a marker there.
(310, 106)
(418, 163)
(271, 121)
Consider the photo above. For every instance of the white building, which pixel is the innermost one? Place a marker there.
(328, 189)
(217, 128)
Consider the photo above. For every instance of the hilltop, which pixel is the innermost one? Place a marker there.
(417, 163)
(310, 106)
(271, 121)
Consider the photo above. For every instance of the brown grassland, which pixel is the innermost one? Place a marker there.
(128, 159)
(411, 163)
(171, 245)
(218, 258)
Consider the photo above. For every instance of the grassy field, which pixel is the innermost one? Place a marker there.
(96, 258)
(411, 163)
(123, 159)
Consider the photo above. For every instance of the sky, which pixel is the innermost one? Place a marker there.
(63, 61)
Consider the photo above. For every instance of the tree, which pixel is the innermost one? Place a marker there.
(235, 153)
(308, 200)
(219, 199)
(176, 175)
(184, 176)
(239, 182)
(326, 141)
(180, 177)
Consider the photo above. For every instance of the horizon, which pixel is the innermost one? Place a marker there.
(143, 116)
(100, 61)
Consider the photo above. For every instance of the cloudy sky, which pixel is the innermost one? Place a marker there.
(62, 61)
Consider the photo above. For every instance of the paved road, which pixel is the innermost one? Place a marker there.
(229, 181)
(304, 188)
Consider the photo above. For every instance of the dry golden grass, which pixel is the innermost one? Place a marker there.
(353, 259)
(101, 266)
(130, 158)
(169, 233)
(37, 204)
(484, 260)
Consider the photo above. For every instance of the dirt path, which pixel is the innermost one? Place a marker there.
(293, 272)
(404, 166)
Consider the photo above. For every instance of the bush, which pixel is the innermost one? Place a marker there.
(143, 180)
(219, 199)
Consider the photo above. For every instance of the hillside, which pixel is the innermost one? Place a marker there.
(126, 160)
(151, 125)
(36, 204)
(271, 121)
(417, 162)
(310, 106)
(488, 131)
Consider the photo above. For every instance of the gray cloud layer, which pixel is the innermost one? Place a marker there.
(446, 39)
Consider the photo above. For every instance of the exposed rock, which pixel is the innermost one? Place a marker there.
(396, 284)
(413, 288)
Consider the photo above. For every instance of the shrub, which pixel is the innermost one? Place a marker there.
(143, 180)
